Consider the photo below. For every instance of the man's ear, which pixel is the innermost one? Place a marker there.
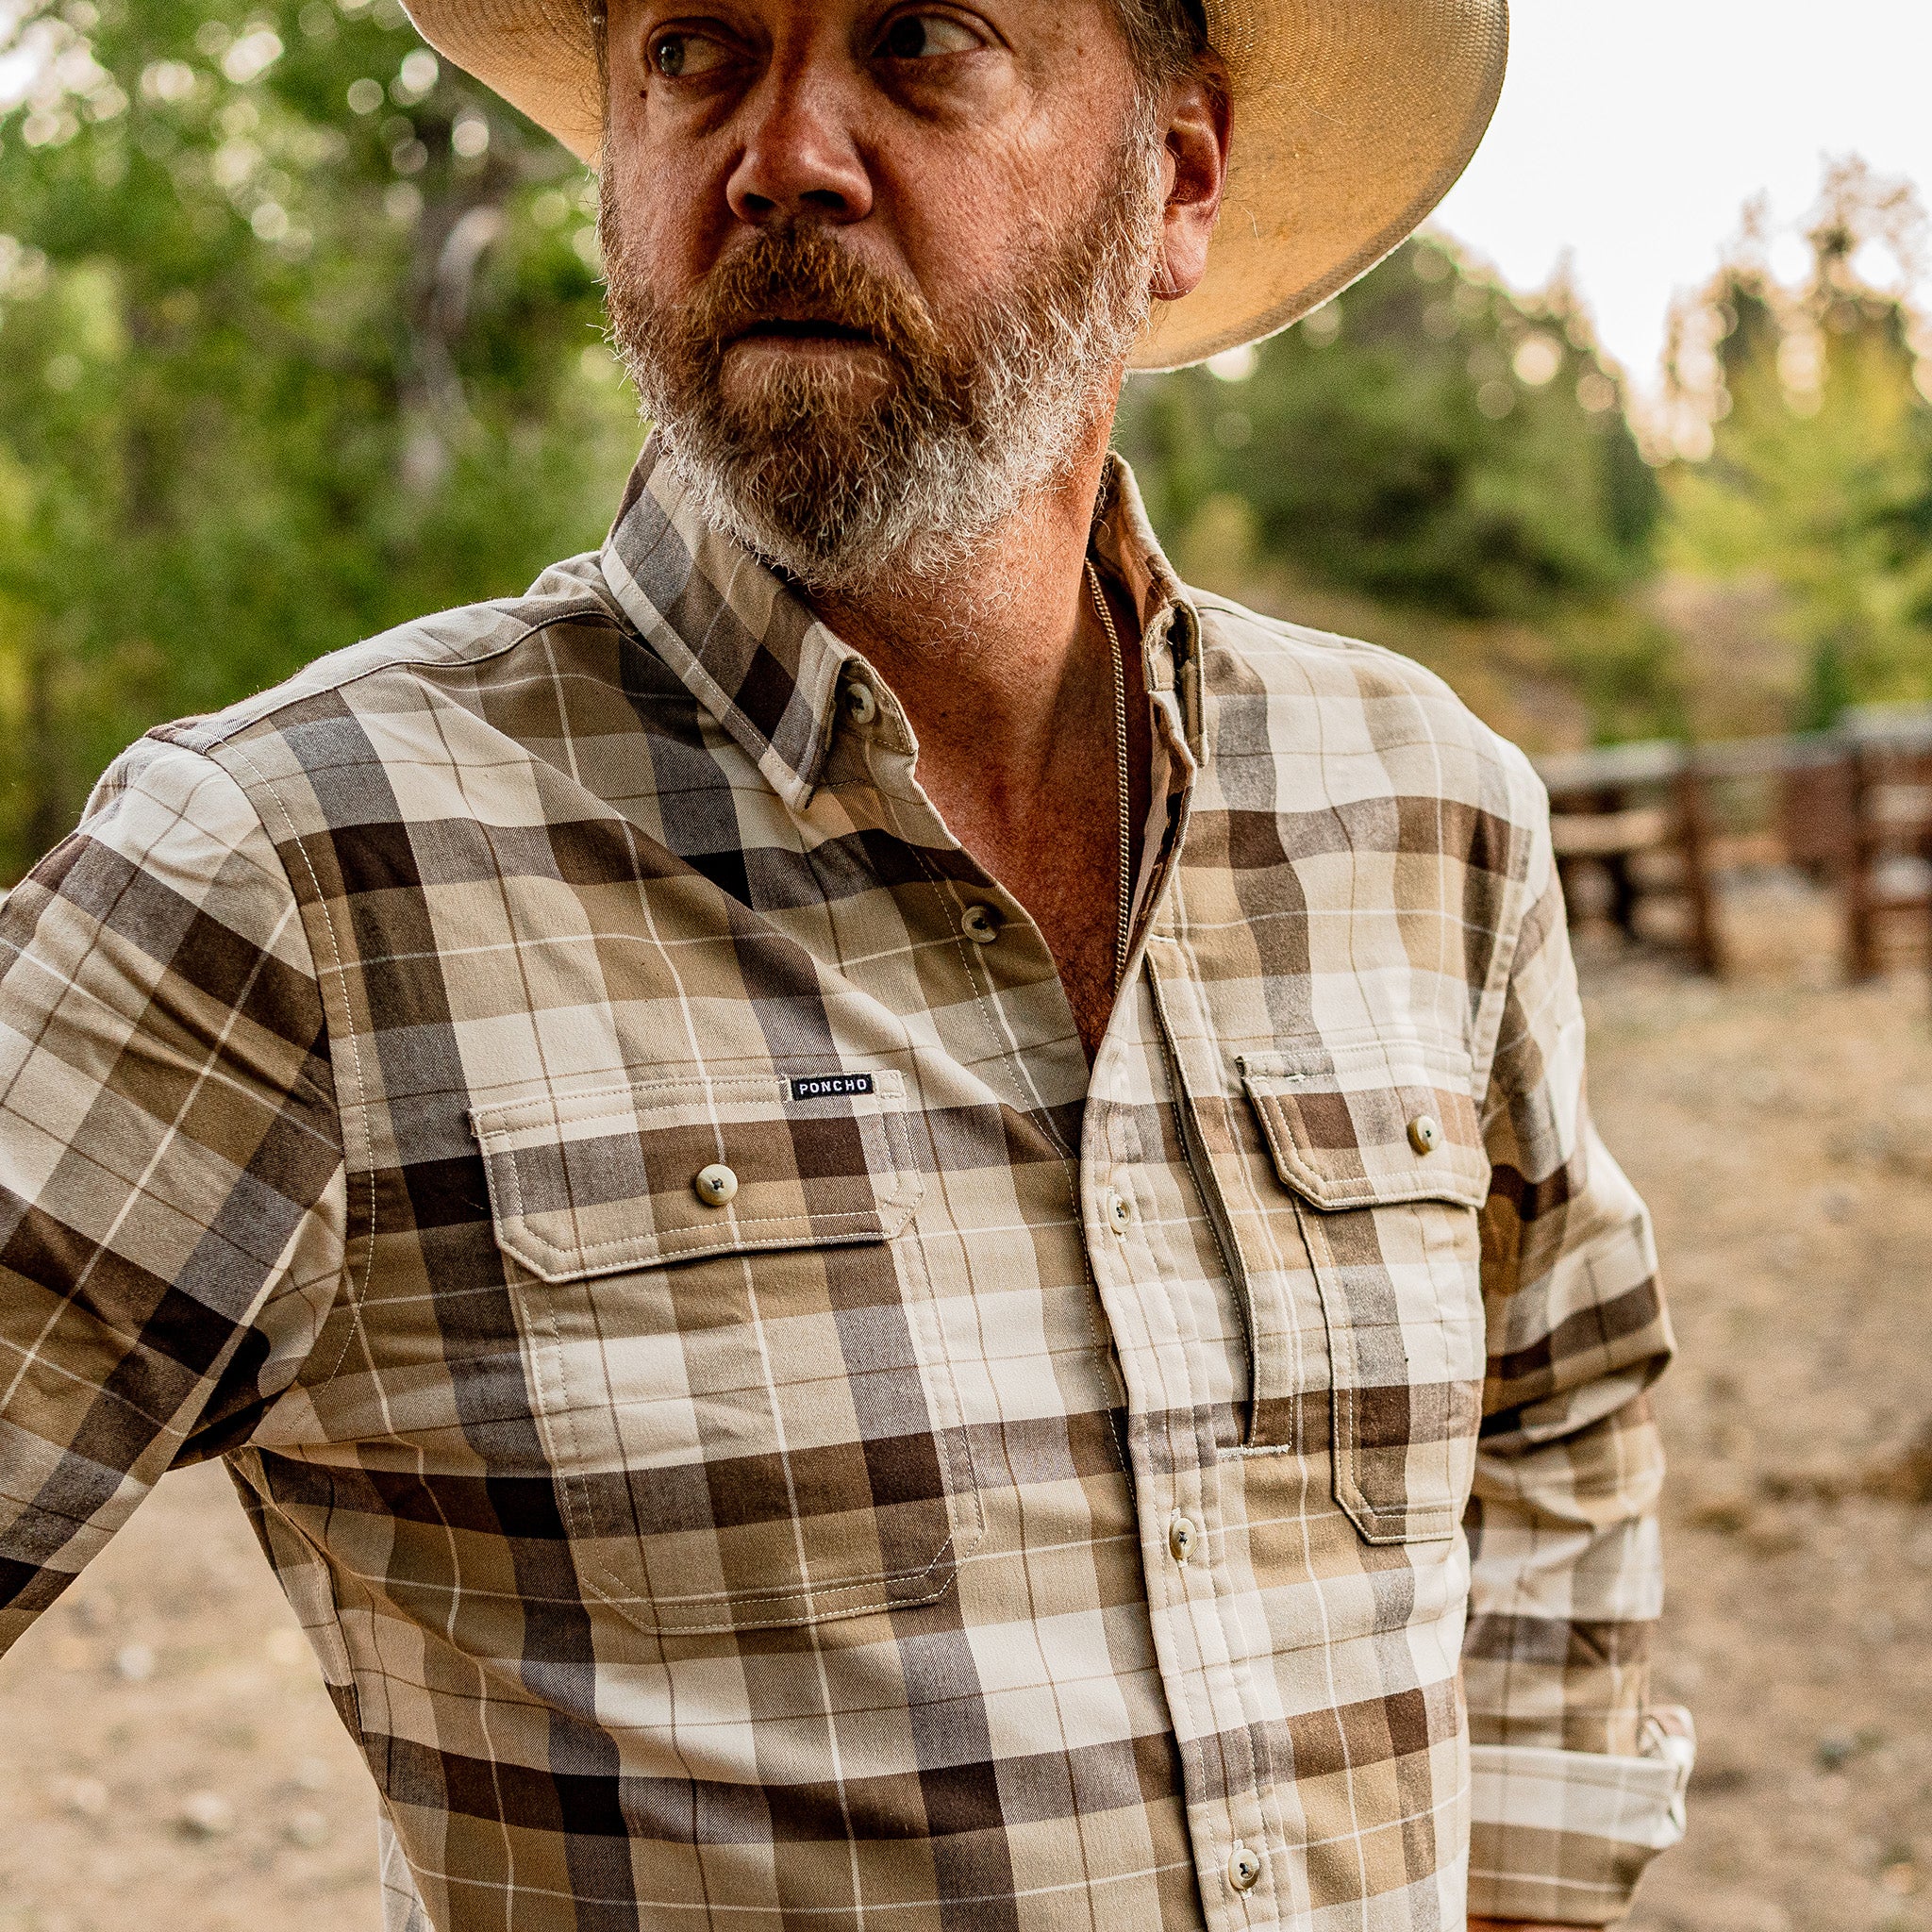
(1199, 128)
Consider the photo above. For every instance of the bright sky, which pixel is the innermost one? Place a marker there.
(1632, 133)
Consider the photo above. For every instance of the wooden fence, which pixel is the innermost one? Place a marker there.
(1645, 831)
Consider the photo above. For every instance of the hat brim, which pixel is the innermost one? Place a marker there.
(1351, 119)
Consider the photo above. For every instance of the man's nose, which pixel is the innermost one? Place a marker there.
(800, 157)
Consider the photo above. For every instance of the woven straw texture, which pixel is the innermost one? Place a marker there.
(1352, 119)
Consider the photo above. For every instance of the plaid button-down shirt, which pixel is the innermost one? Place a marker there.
(1217, 1489)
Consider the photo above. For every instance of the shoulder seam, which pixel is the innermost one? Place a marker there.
(1293, 629)
(300, 925)
(358, 1290)
(166, 734)
(1421, 679)
(215, 765)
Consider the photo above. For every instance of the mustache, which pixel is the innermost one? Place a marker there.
(800, 275)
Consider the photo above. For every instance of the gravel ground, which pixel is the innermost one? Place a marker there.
(168, 1763)
(1781, 1127)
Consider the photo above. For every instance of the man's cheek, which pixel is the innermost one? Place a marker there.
(666, 244)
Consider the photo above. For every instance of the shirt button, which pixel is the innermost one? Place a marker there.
(1181, 1535)
(861, 706)
(1120, 1213)
(1424, 1134)
(981, 925)
(1243, 1868)
(715, 1185)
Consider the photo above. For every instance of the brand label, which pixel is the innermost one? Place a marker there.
(832, 1085)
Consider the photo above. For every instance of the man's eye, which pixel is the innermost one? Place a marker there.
(923, 36)
(685, 56)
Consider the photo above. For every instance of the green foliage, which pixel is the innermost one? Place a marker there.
(1435, 464)
(1426, 438)
(1818, 477)
(299, 336)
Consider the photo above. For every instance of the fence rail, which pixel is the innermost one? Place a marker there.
(1653, 825)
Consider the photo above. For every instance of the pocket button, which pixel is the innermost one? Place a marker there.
(1425, 1134)
(716, 1186)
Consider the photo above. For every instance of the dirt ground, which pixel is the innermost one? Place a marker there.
(169, 1763)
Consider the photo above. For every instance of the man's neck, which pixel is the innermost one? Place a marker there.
(1006, 673)
(990, 657)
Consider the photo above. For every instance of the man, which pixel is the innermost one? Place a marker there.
(891, 1225)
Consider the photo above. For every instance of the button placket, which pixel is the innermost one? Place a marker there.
(1215, 1668)
(1178, 1498)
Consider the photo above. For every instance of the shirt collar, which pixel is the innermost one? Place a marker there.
(748, 649)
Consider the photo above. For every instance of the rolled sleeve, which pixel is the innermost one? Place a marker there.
(1565, 1835)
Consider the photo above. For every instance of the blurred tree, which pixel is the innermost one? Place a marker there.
(299, 336)
(1427, 436)
(1432, 444)
(1807, 429)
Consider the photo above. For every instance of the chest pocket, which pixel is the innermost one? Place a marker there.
(1380, 1148)
(736, 1368)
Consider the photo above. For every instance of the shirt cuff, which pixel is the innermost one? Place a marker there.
(1564, 1836)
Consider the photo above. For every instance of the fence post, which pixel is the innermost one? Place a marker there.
(1861, 913)
(1693, 831)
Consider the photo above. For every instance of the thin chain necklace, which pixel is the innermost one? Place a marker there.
(1124, 924)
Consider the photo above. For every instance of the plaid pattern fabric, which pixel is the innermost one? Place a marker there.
(759, 1435)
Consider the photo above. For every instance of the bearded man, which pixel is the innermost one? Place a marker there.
(891, 1224)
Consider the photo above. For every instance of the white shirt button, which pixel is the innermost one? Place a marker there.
(981, 925)
(1120, 1213)
(716, 1186)
(1425, 1134)
(1182, 1535)
(1243, 1868)
(861, 706)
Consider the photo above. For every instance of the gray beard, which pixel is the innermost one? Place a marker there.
(852, 499)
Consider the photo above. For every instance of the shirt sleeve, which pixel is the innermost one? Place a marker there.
(171, 1201)
(1577, 1781)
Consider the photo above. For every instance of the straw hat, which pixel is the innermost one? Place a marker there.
(1352, 118)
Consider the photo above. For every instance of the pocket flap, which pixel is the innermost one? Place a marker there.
(599, 1182)
(1371, 1124)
